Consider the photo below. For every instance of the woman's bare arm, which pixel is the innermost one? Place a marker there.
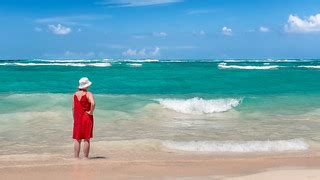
(73, 103)
(91, 100)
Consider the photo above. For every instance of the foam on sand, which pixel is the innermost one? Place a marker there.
(198, 105)
(225, 66)
(238, 146)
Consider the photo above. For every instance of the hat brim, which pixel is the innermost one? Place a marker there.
(85, 86)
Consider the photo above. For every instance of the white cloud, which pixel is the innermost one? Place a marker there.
(59, 29)
(137, 3)
(264, 29)
(138, 36)
(200, 33)
(112, 46)
(71, 20)
(178, 47)
(185, 47)
(134, 52)
(160, 34)
(155, 52)
(71, 54)
(227, 31)
(130, 52)
(37, 29)
(298, 25)
(147, 35)
(199, 11)
(141, 52)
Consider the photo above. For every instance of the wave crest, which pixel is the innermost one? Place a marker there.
(198, 105)
(225, 66)
(105, 64)
(135, 65)
(234, 146)
(140, 60)
(310, 67)
(64, 60)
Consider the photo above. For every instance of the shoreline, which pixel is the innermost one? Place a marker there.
(167, 165)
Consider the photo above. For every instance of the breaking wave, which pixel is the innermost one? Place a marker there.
(65, 60)
(58, 64)
(198, 105)
(140, 60)
(135, 65)
(310, 67)
(225, 66)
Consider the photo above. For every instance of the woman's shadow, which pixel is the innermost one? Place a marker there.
(97, 157)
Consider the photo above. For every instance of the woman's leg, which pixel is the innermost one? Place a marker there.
(86, 148)
(76, 146)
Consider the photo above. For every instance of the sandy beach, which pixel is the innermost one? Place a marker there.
(162, 165)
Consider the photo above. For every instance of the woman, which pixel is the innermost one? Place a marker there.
(83, 107)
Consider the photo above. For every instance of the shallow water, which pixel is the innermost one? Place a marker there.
(212, 106)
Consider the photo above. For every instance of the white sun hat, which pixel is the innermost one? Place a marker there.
(84, 82)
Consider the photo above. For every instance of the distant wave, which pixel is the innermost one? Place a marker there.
(198, 105)
(238, 146)
(99, 64)
(65, 60)
(310, 67)
(216, 60)
(135, 65)
(271, 60)
(58, 64)
(169, 60)
(231, 60)
(225, 66)
(140, 60)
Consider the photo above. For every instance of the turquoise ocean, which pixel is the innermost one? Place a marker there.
(193, 105)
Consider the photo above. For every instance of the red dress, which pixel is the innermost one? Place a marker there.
(83, 122)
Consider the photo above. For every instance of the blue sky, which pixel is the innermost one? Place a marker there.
(160, 29)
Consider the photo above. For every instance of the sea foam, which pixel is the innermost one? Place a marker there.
(135, 65)
(238, 146)
(198, 105)
(225, 66)
(310, 67)
(141, 60)
(64, 60)
(106, 64)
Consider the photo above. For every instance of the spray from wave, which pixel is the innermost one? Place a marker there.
(198, 105)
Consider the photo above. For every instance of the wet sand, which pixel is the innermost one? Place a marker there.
(163, 165)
